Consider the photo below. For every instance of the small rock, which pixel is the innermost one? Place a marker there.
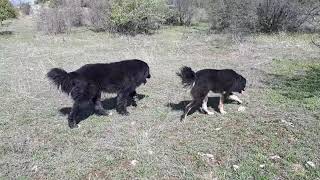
(209, 155)
(134, 162)
(218, 129)
(298, 168)
(133, 123)
(262, 165)
(310, 164)
(242, 109)
(235, 167)
(206, 155)
(287, 123)
(150, 152)
(275, 157)
(34, 168)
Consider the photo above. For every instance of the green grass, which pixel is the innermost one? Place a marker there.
(36, 142)
(297, 83)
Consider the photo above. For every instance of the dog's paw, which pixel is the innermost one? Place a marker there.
(134, 104)
(210, 113)
(73, 126)
(124, 113)
(223, 112)
(182, 118)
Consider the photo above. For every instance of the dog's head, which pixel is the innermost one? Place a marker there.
(239, 84)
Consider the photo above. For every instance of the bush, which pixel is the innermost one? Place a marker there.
(139, 16)
(98, 16)
(183, 12)
(125, 16)
(52, 21)
(261, 16)
(6, 10)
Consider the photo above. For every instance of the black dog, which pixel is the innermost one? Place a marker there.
(86, 84)
(223, 82)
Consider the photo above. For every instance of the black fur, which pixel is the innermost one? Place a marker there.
(225, 82)
(86, 84)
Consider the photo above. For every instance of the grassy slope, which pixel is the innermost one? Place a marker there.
(36, 142)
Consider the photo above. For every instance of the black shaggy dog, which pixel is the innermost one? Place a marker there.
(86, 84)
(224, 82)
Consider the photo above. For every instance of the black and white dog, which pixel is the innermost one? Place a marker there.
(224, 82)
(86, 84)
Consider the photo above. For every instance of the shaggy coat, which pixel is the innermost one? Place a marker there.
(86, 84)
(224, 82)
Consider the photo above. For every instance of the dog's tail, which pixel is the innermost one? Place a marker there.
(187, 75)
(62, 79)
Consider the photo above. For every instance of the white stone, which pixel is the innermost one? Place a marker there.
(134, 162)
(310, 164)
(235, 167)
(241, 109)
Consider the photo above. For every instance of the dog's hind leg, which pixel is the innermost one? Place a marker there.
(72, 118)
(192, 104)
(205, 106)
(198, 97)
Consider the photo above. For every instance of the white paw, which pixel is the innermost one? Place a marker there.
(210, 113)
(223, 112)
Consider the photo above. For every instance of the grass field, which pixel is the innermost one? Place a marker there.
(274, 138)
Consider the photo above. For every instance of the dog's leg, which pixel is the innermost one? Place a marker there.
(235, 98)
(98, 106)
(122, 99)
(221, 105)
(205, 106)
(132, 98)
(192, 104)
(72, 118)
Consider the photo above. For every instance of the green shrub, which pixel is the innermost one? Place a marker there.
(137, 16)
(6, 10)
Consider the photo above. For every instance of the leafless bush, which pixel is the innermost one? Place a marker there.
(98, 15)
(284, 15)
(183, 11)
(52, 21)
(62, 15)
(261, 16)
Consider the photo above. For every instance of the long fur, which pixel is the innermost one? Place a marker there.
(86, 84)
(187, 75)
(224, 82)
(61, 79)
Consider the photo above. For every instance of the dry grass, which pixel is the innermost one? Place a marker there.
(36, 142)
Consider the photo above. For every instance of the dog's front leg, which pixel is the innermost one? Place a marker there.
(132, 98)
(122, 103)
(235, 98)
(72, 118)
(221, 105)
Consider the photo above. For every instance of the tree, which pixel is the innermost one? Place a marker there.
(6, 10)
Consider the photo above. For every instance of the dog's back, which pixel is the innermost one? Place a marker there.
(215, 80)
(113, 76)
